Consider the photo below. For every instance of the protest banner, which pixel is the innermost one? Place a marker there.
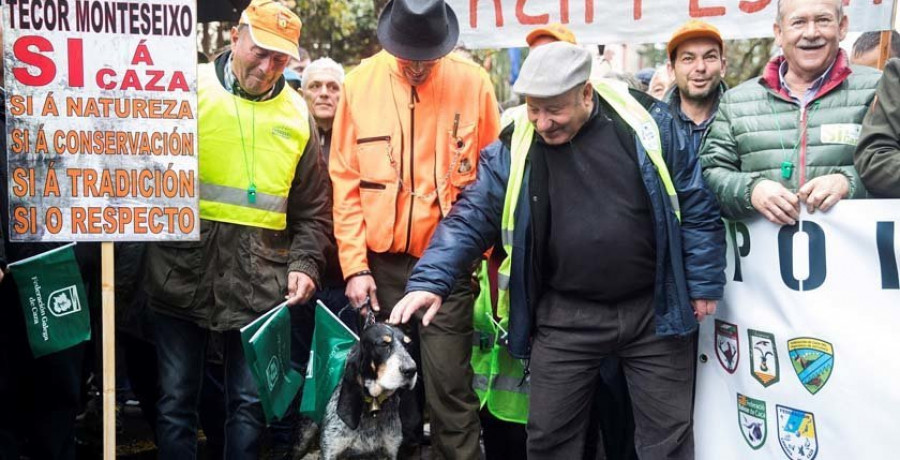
(797, 361)
(505, 23)
(101, 132)
(101, 126)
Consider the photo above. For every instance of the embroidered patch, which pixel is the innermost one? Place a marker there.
(752, 420)
(763, 357)
(813, 361)
(797, 433)
(727, 346)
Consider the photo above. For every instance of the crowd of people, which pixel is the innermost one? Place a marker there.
(599, 202)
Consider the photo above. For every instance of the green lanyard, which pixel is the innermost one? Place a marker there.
(787, 167)
(251, 165)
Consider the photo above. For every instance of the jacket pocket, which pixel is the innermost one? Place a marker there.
(269, 255)
(375, 155)
(364, 184)
(379, 206)
(464, 155)
(174, 270)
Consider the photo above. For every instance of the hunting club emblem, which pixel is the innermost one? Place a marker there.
(727, 345)
(763, 357)
(64, 301)
(813, 360)
(797, 433)
(752, 420)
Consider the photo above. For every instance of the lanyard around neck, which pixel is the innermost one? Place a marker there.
(249, 165)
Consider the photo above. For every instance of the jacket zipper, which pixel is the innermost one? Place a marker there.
(413, 98)
(802, 166)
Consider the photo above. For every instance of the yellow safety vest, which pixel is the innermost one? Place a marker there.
(505, 400)
(248, 153)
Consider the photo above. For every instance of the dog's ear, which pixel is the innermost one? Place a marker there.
(350, 400)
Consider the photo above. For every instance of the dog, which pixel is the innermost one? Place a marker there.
(362, 418)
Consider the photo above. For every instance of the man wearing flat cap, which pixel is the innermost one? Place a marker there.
(614, 247)
(265, 217)
(406, 140)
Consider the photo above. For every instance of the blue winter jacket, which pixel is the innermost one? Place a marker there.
(690, 254)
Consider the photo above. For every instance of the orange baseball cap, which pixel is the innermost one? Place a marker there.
(273, 27)
(555, 30)
(694, 28)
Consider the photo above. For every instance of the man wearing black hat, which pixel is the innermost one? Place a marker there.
(406, 139)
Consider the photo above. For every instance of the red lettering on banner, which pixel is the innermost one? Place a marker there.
(698, 11)
(588, 11)
(753, 7)
(473, 13)
(76, 63)
(637, 9)
(45, 65)
(525, 18)
(141, 55)
(564, 11)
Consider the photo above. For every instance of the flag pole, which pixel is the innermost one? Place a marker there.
(885, 42)
(109, 350)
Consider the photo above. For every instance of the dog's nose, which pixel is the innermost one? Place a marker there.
(408, 372)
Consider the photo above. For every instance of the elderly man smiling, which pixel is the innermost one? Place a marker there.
(788, 138)
(584, 211)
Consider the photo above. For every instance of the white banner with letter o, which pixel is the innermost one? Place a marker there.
(798, 362)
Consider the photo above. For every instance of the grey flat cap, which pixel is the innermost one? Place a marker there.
(553, 69)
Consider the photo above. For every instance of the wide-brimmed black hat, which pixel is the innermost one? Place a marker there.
(418, 30)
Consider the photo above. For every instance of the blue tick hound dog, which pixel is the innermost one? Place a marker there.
(362, 419)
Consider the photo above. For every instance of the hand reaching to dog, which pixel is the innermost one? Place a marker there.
(359, 289)
(300, 288)
(413, 301)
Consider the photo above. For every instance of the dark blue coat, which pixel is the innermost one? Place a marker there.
(690, 254)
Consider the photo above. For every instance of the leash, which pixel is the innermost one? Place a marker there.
(370, 315)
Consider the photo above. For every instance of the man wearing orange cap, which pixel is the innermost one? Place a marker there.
(697, 64)
(265, 217)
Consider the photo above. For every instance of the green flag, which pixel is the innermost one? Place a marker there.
(53, 300)
(267, 350)
(332, 341)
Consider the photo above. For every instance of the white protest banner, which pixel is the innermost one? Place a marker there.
(798, 361)
(101, 119)
(505, 23)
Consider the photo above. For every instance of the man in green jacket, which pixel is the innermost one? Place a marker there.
(265, 216)
(878, 152)
(788, 138)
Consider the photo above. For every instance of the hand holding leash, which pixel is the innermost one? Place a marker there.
(361, 290)
(413, 301)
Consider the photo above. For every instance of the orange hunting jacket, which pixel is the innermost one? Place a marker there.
(399, 157)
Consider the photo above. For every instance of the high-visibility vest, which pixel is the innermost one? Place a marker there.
(248, 153)
(504, 369)
(499, 381)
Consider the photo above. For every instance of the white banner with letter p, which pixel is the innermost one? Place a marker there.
(799, 362)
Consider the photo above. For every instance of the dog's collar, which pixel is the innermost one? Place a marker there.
(375, 403)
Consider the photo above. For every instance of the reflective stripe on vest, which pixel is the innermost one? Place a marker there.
(240, 140)
(631, 111)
